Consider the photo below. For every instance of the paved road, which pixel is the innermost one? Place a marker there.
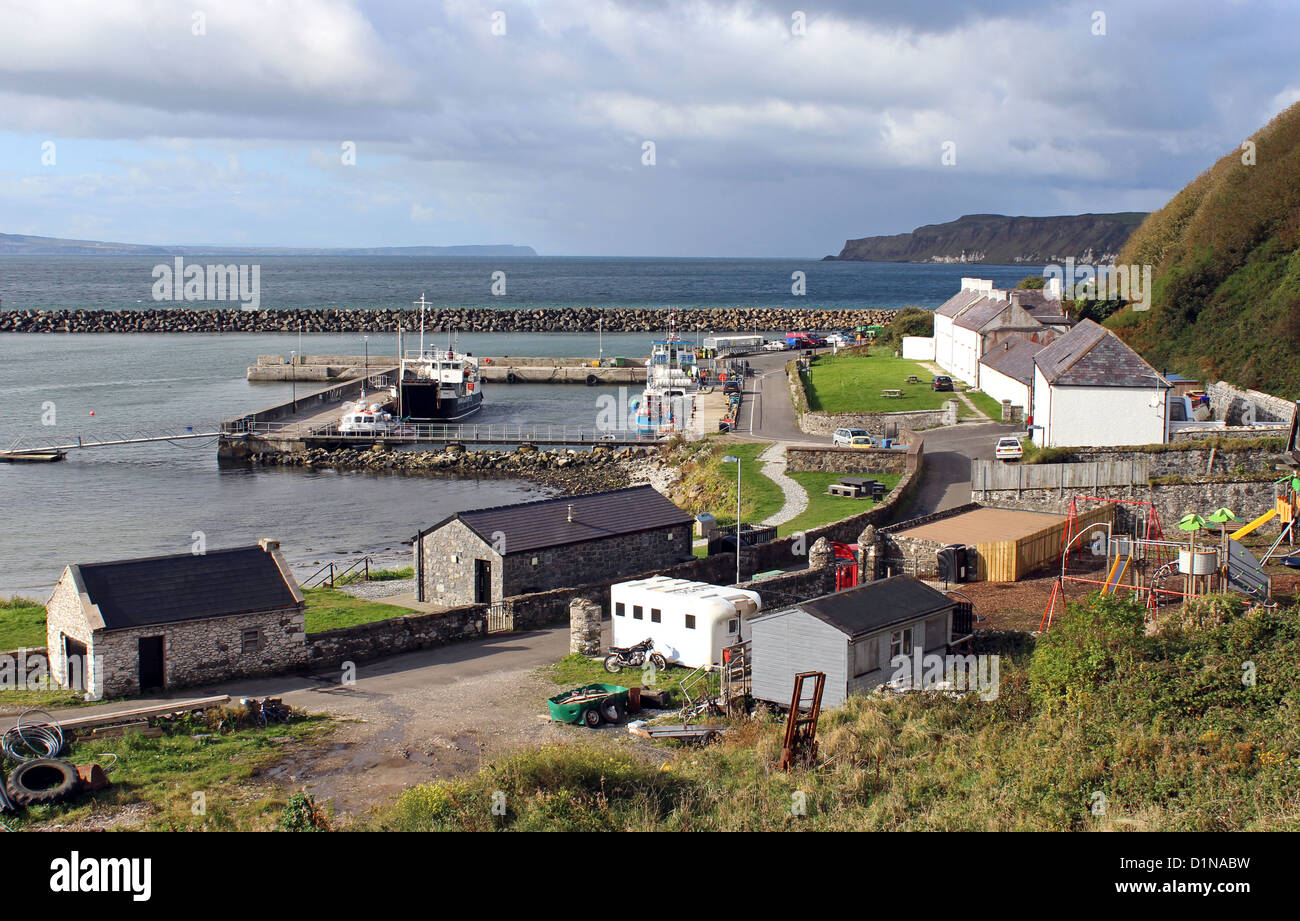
(767, 412)
(945, 482)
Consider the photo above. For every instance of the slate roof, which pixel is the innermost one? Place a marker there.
(980, 313)
(1041, 307)
(1014, 358)
(876, 605)
(958, 302)
(545, 523)
(168, 589)
(1092, 356)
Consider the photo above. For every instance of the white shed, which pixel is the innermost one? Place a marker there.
(690, 622)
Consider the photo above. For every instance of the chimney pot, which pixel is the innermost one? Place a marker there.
(269, 544)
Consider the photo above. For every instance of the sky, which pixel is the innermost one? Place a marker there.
(634, 128)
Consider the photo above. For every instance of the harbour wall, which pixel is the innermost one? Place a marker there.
(465, 319)
(493, 369)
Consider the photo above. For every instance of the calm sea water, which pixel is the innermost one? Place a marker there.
(125, 282)
(113, 503)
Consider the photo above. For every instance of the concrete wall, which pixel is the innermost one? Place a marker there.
(918, 348)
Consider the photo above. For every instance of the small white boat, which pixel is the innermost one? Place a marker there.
(368, 419)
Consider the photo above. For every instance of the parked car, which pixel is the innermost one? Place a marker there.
(846, 436)
(774, 345)
(862, 441)
(837, 339)
(1008, 448)
(941, 382)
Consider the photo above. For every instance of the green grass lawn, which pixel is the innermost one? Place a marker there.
(330, 609)
(709, 485)
(852, 384)
(823, 509)
(987, 405)
(163, 773)
(22, 624)
(574, 671)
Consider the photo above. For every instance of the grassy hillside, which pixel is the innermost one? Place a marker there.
(1226, 268)
(1097, 727)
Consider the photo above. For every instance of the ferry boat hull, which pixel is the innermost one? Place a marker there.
(421, 403)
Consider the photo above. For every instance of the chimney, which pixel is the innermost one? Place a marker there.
(270, 545)
(570, 513)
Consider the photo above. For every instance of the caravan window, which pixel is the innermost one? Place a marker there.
(733, 626)
(690, 621)
(637, 612)
(619, 610)
(656, 615)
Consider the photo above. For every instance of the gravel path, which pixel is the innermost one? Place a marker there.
(796, 500)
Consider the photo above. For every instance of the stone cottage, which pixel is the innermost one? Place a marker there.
(485, 555)
(124, 627)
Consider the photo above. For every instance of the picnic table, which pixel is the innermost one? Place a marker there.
(891, 394)
(912, 379)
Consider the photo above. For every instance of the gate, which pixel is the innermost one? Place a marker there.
(500, 618)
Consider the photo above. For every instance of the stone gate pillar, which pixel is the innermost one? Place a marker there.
(584, 627)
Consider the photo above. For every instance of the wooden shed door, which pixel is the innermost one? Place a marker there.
(151, 663)
(482, 581)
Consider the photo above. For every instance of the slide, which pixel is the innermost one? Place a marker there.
(1116, 575)
(1262, 519)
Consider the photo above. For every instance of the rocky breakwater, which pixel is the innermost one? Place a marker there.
(467, 319)
(572, 472)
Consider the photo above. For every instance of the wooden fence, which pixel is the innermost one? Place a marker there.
(1012, 560)
(990, 475)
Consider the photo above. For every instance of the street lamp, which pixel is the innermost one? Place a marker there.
(732, 459)
(366, 340)
(293, 366)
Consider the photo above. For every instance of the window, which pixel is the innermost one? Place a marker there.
(637, 612)
(900, 643)
(252, 640)
(733, 626)
(865, 654)
(690, 621)
(656, 616)
(619, 610)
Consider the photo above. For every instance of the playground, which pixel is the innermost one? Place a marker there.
(1167, 565)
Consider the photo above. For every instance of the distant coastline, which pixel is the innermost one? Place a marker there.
(26, 245)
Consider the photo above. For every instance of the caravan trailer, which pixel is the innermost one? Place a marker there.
(690, 622)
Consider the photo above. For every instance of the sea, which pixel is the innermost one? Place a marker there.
(112, 503)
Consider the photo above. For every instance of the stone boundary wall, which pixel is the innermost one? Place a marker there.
(1234, 431)
(878, 424)
(1197, 458)
(1248, 498)
(1229, 403)
(844, 460)
(466, 319)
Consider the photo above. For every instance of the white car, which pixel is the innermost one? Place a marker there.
(774, 345)
(1008, 448)
(847, 436)
(837, 339)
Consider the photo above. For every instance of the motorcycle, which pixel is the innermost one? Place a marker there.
(621, 657)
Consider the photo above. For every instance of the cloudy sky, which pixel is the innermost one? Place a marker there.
(777, 129)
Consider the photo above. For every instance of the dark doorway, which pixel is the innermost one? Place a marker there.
(74, 663)
(482, 581)
(151, 663)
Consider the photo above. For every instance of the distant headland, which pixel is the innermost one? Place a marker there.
(24, 244)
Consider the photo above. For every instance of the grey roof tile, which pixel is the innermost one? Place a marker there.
(1090, 355)
(167, 589)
